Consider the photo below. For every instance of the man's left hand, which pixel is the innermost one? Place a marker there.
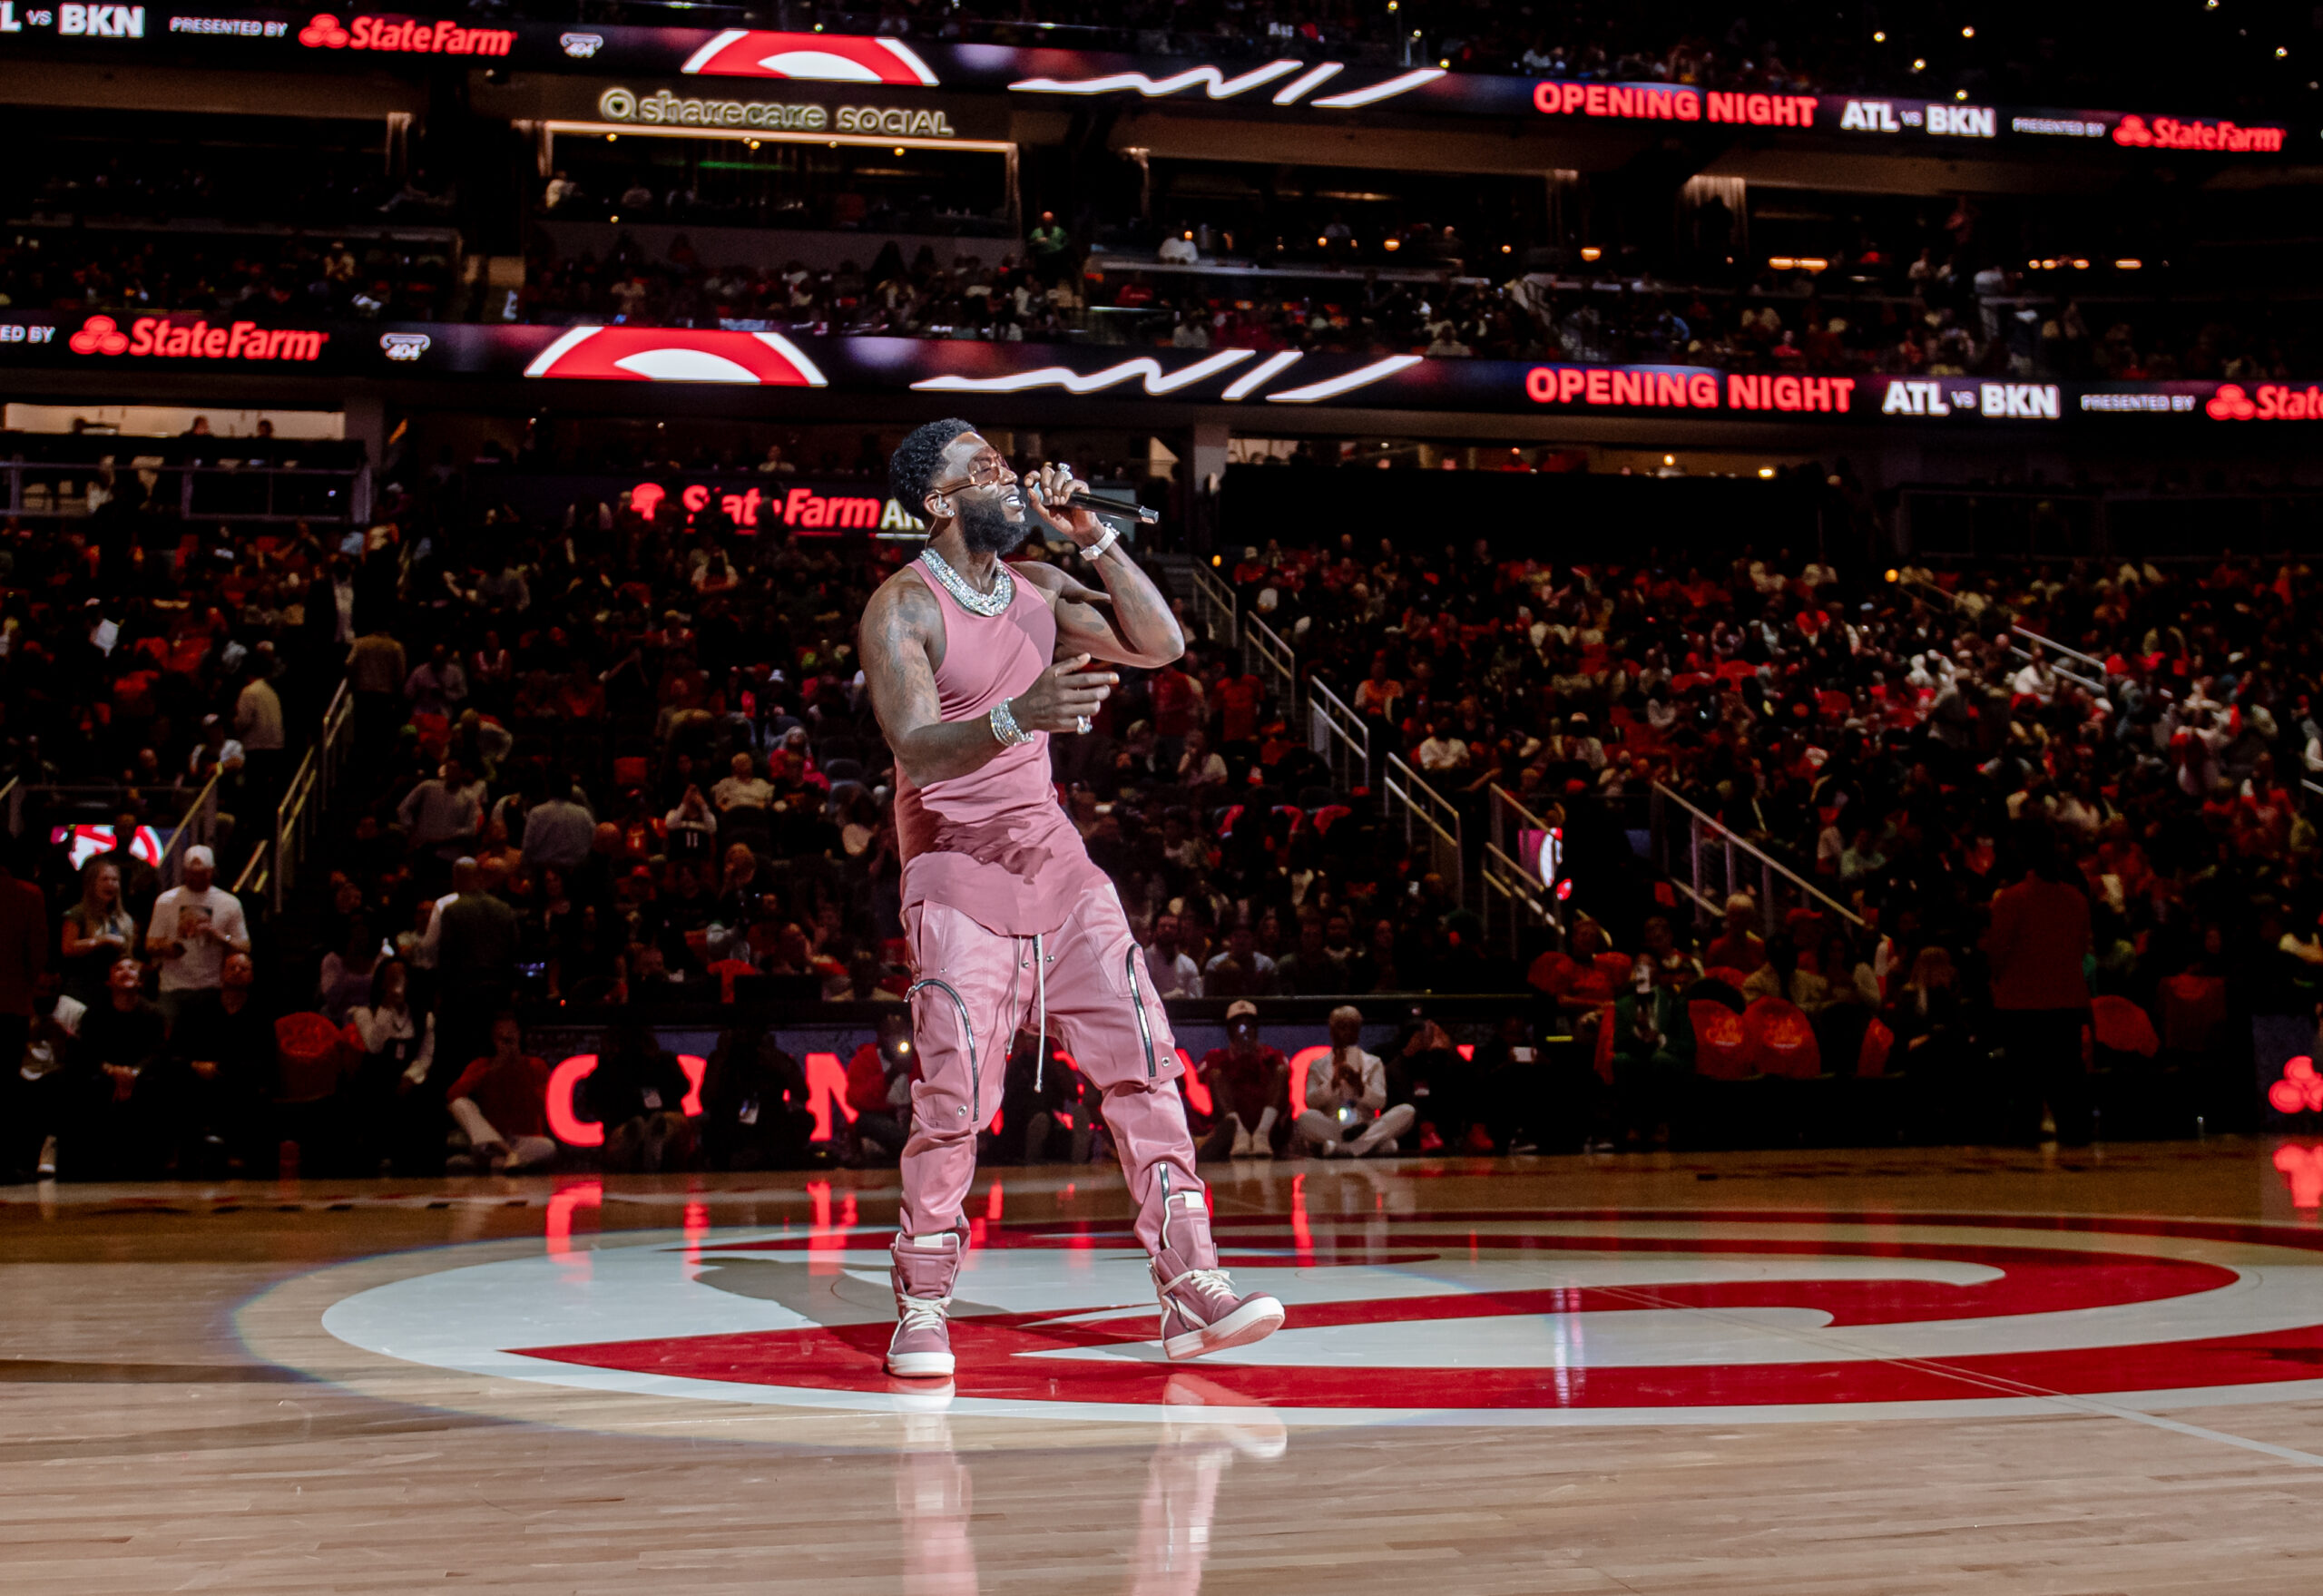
(1055, 482)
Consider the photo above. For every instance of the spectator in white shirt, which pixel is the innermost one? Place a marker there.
(1579, 743)
(216, 753)
(1173, 970)
(745, 789)
(257, 727)
(1440, 752)
(1346, 1113)
(258, 708)
(2037, 680)
(440, 686)
(442, 817)
(195, 926)
(390, 1032)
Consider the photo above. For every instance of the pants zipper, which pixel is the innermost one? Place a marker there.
(975, 1087)
(1145, 1026)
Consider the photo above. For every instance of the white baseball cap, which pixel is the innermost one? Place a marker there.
(200, 854)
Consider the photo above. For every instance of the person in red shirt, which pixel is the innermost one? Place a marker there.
(1239, 698)
(501, 1103)
(878, 1089)
(2039, 938)
(1249, 1087)
(1177, 705)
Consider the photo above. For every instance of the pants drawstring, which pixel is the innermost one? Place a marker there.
(1041, 1014)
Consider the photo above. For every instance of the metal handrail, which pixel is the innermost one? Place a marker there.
(1264, 646)
(1435, 804)
(1329, 718)
(2050, 644)
(256, 875)
(1510, 880)
(197, 825)
(1766, 862)
(1501, 795)
(1415, 782)
(1499, 804)
(2054, 647)
(1213, 592)
(289, 819)
(307, 794)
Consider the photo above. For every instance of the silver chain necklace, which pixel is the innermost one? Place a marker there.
(1003, 593)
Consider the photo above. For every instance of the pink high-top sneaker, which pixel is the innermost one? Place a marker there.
(925, 1267)
(1201, 1314)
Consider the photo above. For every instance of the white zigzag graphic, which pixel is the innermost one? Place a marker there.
(1157, 381)
(1217, 84)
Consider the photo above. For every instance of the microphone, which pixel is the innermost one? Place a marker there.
(1141, 514)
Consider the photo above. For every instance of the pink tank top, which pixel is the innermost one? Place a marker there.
(994, 844)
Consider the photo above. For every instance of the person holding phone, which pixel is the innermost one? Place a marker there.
(196, 924)
(1346, 1113)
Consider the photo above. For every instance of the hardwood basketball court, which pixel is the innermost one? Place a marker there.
(1939, 1370)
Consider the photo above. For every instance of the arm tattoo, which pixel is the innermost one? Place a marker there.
(1130, 622)
(893, 643)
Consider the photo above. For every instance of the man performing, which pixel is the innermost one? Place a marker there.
(1009, 923)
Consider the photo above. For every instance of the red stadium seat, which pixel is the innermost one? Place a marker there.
(1879, 1041)
(2120, 1026)
(1723, 1049)
(313, 1058)
(1783, 1038)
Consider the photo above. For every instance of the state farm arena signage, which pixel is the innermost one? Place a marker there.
(1306, 88)
(404, 35)
(155, 336)
(1236, 383)
(746, 503)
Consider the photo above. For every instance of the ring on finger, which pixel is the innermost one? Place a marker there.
(1081, 724)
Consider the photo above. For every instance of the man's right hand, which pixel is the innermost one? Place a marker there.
(1061, 696)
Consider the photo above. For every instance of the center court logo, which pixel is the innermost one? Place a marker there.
(1485, 1317)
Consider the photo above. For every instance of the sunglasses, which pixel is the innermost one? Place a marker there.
(986, 471)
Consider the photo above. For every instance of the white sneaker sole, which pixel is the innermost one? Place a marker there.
(920, 1365)
(1255, 1320)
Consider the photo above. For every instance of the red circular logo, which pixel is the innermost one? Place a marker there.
(1484, 1317)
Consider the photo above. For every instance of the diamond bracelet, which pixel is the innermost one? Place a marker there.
(1004, 727)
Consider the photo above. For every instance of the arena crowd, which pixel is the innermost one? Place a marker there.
(625, 766)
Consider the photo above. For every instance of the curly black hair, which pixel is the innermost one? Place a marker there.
(913, 469)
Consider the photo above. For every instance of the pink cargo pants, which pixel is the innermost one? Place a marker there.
(974, 989)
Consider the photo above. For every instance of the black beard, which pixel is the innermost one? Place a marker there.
(985, 529)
